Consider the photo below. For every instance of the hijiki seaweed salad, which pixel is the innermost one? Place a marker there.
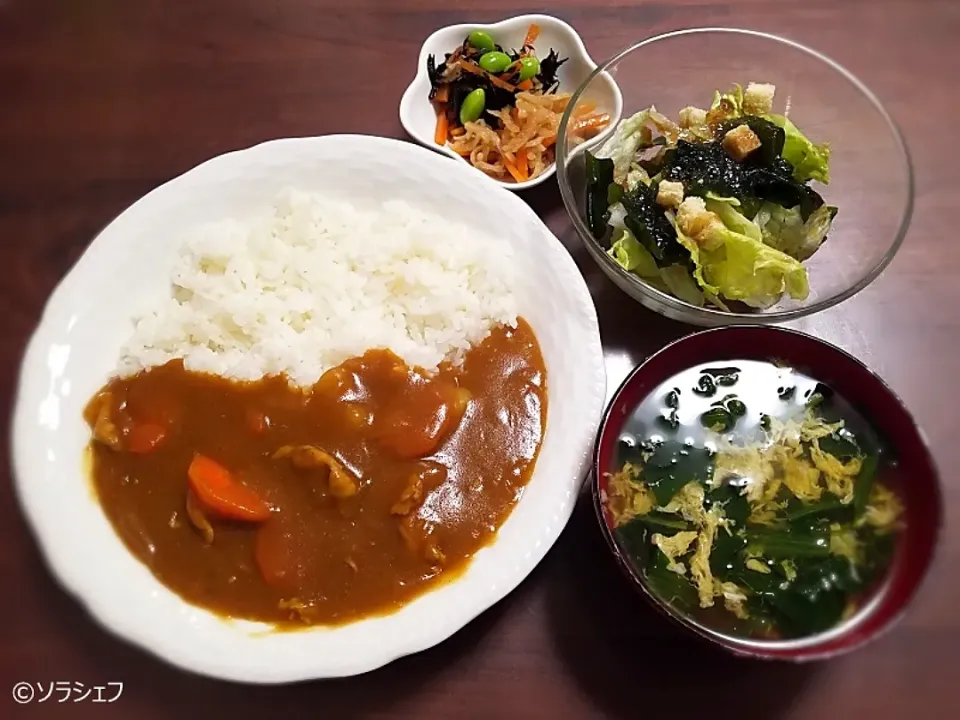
(752, 498)
(715, 208)
(500, 110)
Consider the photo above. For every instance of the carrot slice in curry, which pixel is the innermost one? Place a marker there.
(145, 437)
(222, 495)
(277, 554)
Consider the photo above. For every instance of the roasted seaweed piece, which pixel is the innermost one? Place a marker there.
(706, 167)
(788, 194)
(775, 184)
(648, 223)
(548, 71)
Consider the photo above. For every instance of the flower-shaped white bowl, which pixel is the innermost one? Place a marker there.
(417, 113)
(76, 346)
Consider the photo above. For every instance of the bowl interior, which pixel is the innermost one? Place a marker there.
(913, 474)
(871, 178)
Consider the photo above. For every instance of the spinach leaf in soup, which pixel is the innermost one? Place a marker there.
(672, 465)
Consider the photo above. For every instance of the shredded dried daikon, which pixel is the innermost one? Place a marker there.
(529, 129)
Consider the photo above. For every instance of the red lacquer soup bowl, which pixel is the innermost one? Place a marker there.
(913, 476)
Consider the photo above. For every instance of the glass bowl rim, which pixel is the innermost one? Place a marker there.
(715, 315)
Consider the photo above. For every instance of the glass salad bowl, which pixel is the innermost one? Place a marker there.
(870, 178)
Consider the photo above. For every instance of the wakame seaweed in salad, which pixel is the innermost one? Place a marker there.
(751, 498)
(714, 208)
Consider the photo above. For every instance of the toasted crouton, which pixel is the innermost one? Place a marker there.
(740, 142)
(670, 194)
(692, 117)
(696, 222)
(758, 98)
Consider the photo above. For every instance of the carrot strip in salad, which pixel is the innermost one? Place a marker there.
(525, 85)
(221, 494)
(442, 94)
(522, 165)
(517, 168)
(443, 126)
(533, 32)
(512, 170)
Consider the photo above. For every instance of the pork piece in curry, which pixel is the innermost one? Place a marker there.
(319, 506)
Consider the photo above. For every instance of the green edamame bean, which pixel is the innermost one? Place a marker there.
(529, 67)
(495, 61)
(472, 106)
(481, 41)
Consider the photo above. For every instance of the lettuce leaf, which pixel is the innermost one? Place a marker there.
(691, 245)
(632, 256)
(785, 230)
(673, 279)
(810, 161)
(742, 268)
(726, 208)
(630, 136)
(709, 291)
(681, 284)
(726, 105)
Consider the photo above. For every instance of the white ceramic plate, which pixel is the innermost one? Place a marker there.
(417, 113)
(75, 349)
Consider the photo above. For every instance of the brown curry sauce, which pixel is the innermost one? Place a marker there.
(380, 481)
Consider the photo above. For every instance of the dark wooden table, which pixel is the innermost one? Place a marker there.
(102, 100)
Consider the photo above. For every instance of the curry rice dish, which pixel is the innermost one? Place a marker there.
(323, 502)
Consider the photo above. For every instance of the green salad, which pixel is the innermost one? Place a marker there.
(715, 208)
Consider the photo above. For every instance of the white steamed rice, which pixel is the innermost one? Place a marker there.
(314, 281)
